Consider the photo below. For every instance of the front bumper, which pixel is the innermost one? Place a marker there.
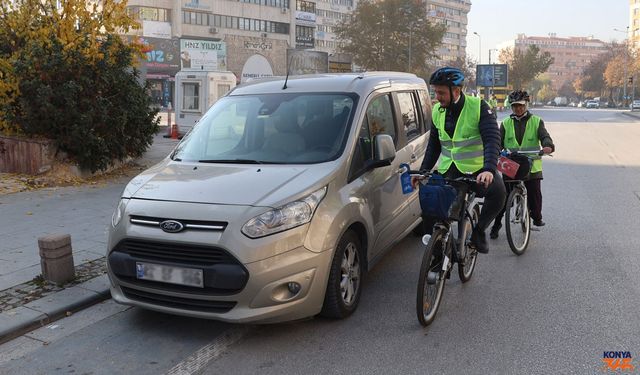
(264, 298)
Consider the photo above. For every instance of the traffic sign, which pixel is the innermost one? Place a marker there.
(492, 75)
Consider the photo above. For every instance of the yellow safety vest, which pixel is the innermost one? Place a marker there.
(530, 140)
(465, 149)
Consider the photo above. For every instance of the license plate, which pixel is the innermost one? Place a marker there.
(169, 274)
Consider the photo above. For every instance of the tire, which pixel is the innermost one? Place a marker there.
(518, 222)
(469, 256)
(344, 286)
(429, 296)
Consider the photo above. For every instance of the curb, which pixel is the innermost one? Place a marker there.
(43, 311)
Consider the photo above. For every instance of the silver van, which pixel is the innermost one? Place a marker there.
(276, 203)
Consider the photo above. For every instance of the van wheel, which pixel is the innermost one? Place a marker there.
(345, 279)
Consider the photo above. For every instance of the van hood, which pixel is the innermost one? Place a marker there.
(248, 185)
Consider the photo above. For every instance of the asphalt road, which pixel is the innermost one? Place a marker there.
(555, 310)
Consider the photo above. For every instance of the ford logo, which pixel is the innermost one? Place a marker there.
(171, 226)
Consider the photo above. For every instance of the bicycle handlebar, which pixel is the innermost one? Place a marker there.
(526, 153)
(427, 174)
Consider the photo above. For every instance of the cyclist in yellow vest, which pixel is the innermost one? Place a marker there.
(525, 131)
(465, 136)
(493, 103)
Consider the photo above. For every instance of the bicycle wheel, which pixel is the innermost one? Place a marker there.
(518, 222)
(430, 291)
(467, 255)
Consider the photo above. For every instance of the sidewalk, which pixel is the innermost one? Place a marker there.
(84, 212)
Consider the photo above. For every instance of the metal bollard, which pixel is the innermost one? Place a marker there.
(56, 258)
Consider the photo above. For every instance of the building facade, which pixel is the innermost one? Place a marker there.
(634, 23)
(571, 55)
(251, 38)
(452, 14)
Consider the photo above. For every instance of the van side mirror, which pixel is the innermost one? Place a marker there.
(384, 151)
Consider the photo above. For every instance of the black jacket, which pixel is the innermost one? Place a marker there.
(488, 132)
(520, 126)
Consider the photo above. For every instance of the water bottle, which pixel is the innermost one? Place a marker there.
(405, 179)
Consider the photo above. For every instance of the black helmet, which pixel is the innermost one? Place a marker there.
(519, 97)
(447, 77)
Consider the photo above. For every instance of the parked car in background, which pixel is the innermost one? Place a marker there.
(635, 104)
(282, 217)
(592, 104)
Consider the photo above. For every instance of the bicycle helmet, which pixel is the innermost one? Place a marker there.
(447, 77)
(519, 97)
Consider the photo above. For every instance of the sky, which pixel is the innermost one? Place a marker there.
(498, 21)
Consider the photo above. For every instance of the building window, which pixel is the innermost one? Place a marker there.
(305, 6)
(149, 14)
(191, 96)
(229, 22)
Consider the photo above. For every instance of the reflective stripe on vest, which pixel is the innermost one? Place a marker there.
(465, 149)
(530, 141)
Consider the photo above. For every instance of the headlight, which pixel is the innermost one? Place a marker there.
(119, 212)
(286, 217)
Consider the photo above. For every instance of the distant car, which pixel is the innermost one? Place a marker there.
(635, 104)
(593, 104)
(551, 103)
(572, 104)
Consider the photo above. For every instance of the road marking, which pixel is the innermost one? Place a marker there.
(208, 353)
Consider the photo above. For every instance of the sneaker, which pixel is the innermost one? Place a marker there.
(479, 239)
(495, 230)
(538, 223)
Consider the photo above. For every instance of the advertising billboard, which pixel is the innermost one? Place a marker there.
(492, 75)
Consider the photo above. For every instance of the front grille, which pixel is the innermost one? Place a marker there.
(216, 226)
(179, 302)
(175, 253)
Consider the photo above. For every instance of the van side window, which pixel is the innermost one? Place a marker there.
(425, 103)
(409, 115)
(378, 120)
(380, 117)
(363, 151)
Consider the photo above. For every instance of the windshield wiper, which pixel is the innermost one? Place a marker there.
(231, 161)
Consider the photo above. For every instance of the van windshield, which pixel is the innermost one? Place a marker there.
(270, 129)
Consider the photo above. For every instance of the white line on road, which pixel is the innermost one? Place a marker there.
(209, 352)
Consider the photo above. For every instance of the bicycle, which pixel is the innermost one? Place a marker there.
(439, 255)
(517, 217)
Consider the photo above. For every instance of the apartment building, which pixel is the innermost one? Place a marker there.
(571, 55)
(452, 14)
(634, 23)
(251, 38)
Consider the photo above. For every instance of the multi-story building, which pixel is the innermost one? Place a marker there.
(634, 23)
(250, 38)
(571, 55)
(452, 14)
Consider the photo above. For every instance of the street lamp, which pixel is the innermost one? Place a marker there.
(626, 66)
(479, 48)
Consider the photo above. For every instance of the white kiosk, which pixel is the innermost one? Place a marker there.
(196, 91)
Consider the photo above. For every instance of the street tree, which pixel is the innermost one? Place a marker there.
(69, 76)
(614, 74)
(537, 84)
(390, 35)
(525, 66)
(591, 82)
